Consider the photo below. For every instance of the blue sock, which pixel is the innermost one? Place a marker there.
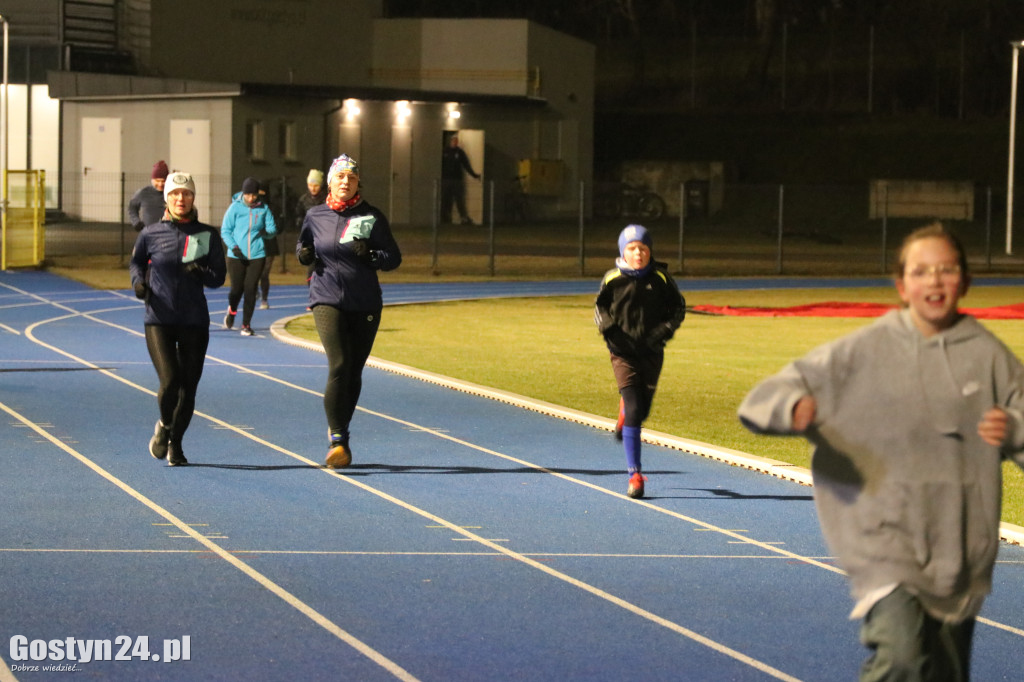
(631, 441)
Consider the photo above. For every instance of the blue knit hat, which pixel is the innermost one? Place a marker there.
(634, 233)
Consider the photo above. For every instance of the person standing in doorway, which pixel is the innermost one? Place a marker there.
(454, 163)
(347, 240)
(245, 224)
(147, 204)
(173, 259)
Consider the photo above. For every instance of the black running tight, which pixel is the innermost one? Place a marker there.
(347, 338)
(245, 280)
(178, 353)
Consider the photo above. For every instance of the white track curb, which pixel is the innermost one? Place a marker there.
(1007, 531)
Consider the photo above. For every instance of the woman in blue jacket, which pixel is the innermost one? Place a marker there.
(246, 222)
(171, 263)
(347, 241)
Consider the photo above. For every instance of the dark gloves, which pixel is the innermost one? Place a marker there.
(307, 254)
(237, 253)
(195, 269)
(659, 336)
(361, 248)
(140, 290)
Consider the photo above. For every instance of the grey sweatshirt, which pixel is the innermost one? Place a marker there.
(906, 491)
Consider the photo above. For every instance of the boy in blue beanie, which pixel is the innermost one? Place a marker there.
(637, 311)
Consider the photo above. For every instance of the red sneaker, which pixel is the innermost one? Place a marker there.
(636, 486)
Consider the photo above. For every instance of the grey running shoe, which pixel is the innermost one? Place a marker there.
(158, 443)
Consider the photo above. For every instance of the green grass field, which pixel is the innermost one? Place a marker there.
(548, 349)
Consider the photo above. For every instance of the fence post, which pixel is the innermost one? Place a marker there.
(682, 222)
(122, 212)
(490, 236)
(988, 228)
(885, 220)
(433, 231)
(285, 220)
(778, 265)
(582, 243)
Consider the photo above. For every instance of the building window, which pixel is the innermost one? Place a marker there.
(254, 140)
(287, 141)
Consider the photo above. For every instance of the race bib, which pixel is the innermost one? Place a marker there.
(196, 246)
(357, 228)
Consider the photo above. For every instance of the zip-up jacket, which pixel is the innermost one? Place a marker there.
(175, 297)
(246, 226)
(341, 278)
(638, 314)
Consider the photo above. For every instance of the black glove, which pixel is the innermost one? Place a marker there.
(361, 248)
(195, 269)
(237, 252)
(140, 290)
(659, 336)
(307, 254)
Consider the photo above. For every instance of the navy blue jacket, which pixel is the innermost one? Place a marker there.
(341, 278)
(175, 297)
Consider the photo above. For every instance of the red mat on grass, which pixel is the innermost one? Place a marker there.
(840, 309)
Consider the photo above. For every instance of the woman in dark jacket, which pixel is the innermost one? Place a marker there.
(637, 311)
(347, 241)
(171, 263)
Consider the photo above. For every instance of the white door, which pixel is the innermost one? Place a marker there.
(401, 174)
(190, 152)
(472, 142)
(101, 170)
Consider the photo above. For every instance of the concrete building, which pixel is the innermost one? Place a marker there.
(272, 88)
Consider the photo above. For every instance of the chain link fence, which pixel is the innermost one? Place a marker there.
(742, 230)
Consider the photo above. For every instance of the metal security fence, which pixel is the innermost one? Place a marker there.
(93, 216)
(748, 230)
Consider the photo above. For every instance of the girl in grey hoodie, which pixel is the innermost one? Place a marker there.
(910, 419)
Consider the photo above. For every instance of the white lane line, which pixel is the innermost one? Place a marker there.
(224, 554)
(622, 603)
(672, 626)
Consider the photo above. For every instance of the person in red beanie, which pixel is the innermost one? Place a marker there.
(147, 205)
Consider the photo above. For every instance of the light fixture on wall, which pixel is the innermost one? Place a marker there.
(352, 110)
(453, 111)
(402, 111)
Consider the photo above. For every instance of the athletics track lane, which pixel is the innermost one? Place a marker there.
(473, 540)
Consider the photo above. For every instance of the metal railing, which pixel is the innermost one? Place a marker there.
(743, 230)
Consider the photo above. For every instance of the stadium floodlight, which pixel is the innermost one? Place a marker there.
(1016, 45)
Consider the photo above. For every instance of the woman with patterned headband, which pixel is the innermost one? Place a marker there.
(347, 240)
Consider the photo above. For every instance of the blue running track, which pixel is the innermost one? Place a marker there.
(470, 540)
